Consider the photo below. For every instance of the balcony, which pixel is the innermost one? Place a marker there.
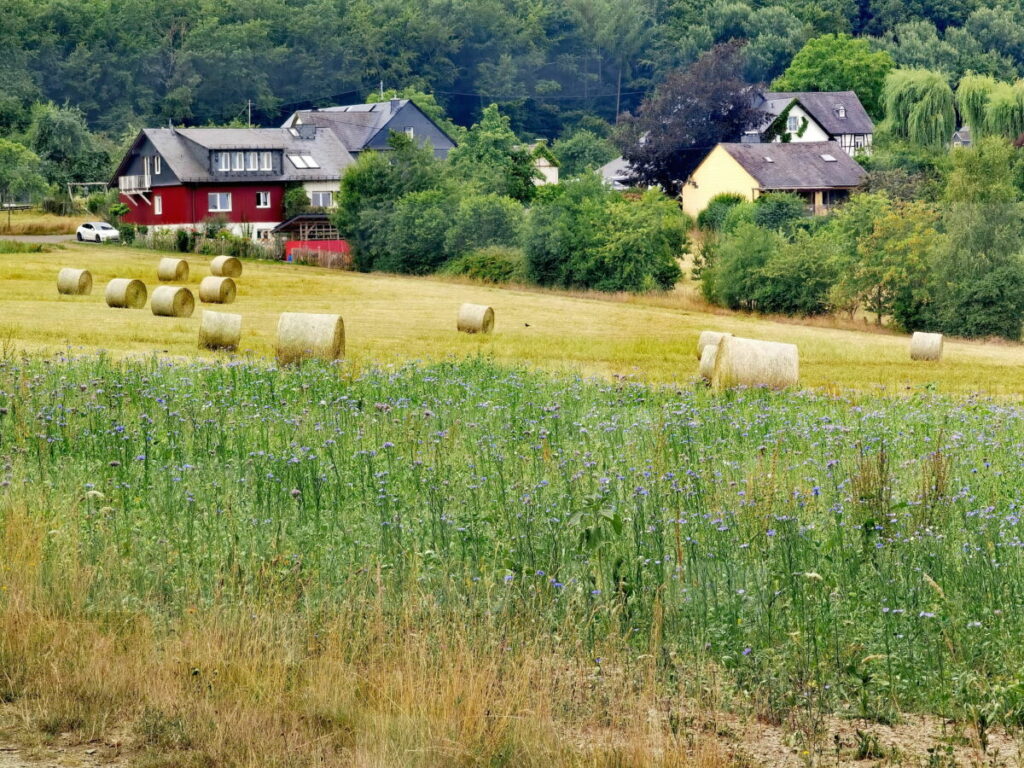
(134, 185)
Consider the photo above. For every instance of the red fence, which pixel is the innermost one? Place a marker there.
(335, 254)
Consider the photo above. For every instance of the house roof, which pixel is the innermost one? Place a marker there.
(184, 150)
(356, 124)
(615, 170)
(797, 165)
(821, 105)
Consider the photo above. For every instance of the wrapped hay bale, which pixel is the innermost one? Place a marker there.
(226, 266)
(217, 290)
(172, 270)
(74, 282)
(301, 336)
(743, 362)
(126, 293)
(475, 318)
(708, 337)
(926, 346)
(172, 301)
(707, 361)
(220, 330)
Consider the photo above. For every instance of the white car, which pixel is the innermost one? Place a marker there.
(97, 232)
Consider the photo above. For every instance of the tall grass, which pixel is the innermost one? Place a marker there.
(528, 535)
(38, 223)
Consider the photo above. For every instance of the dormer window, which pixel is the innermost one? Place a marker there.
(252, 161)
(238, 161)
(840, 111)
(223, 161)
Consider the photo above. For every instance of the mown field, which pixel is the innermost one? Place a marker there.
(392, 319)
(492, 551)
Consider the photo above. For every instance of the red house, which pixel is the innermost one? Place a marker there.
(179, 177)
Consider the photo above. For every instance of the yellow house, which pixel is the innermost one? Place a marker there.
(820, 172)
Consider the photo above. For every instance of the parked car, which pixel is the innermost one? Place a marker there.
(97, 232)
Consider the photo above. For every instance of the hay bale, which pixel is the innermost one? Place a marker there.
(172, 301)
(125, 293)
(475, 318)
(74, 282)
(707, 361)
(301, 336)
(172, 270)
(708, 337)
(926, 346)
(217, 290)
(753, 363)
(226, 266)
(220, 330)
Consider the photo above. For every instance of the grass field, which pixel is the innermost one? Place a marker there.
(38, 223)
(391, 319)
(468, 551)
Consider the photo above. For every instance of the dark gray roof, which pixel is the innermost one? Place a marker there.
(354, 124)
(797, 165)
(184, 150)
(822, 106)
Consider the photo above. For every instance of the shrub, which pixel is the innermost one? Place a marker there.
(736, 271)
(798, 277)
(482, 220)
(562, 230)
(712, 217)
(295, 201)
(414, 238)
(214, 225)
(127, 233)
(779, 211)
(493, 264)
(185, 240)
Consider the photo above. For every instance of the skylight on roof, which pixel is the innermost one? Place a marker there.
(829, 159)
(768, 159)
(303, 161)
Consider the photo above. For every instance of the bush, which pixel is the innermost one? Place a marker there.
(779, 211)
(295, 201)
(493, 264)
(184, 240)
(482, 220)
(797, 279)
(413, 240)
(127, 233)
(214, 225)
(712, 217)
(736, 270)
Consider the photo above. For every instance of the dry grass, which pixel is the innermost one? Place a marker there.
(37, 223)
(391, 319)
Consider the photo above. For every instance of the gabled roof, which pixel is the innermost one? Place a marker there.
(797, 165)
(823, 107)
(617, 170)
(357, 124)
(185, 151)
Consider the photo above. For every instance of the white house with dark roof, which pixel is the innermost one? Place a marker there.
(812, 116)
(819, 172)
(367, 126)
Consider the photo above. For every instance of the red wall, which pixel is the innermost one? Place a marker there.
(188, 205)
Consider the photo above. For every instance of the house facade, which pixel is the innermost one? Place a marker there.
(181, 177)
(362, 127)
(820, 172)
(810, 117)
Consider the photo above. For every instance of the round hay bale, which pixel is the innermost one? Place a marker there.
(217, 290)
(74, 282)
(220, 330)
(475, 318)
(707, 361)
(708, 337)
(226, 266)
(743, 362)
(126, 293)
(172, 301)
(301, 336)
(926, 346)
(172, 270)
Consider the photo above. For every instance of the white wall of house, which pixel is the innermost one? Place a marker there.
(322, 186)
(548, 171)
(813, 132)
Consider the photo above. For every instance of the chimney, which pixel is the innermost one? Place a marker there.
(394, 105)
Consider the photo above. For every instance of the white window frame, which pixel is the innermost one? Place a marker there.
(313, 196)
(266, 161)
(792, 123)
(238, 161)
(157, 165)
(158, 205)
(223, 161)
(252, 161)
(264, 196)
(410, 132)
(145, 165)
(212, 197)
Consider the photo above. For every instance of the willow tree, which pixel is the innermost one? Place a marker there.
(1004, 111)
(972, 98)
(919, 106)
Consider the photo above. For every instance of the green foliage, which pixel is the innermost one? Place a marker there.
(779, 211)
(919, 107)
(713, 216)
(1004, 111)
(296, 201)
(426, 102)
(739, 259)
(414, 240)
(562, 231)
(583, 151)
(483, 220)
(69, 151)
(494, 159)
(21, 175)
(839, 63)
(797, 278)
(972, 96)
(493, 264)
